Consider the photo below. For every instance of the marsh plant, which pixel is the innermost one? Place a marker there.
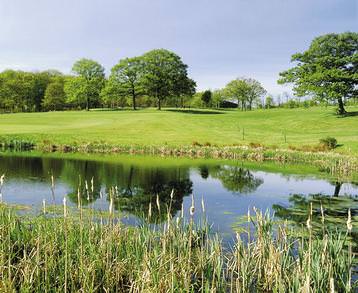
(83, 250)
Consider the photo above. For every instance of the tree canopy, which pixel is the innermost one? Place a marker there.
(165, 75)
(126, 78)
(245, 90)
(328, 70)
(85, 87)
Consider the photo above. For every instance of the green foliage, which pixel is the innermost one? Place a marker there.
(217, 97)
(83, 90)
(165, 75)
(329, 142)
(206, 97)
(245, 90)
(126, 79)
(16, 91)
(269, 102)
(54, 98)
(328, 70)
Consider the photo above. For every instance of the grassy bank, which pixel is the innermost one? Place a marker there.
(280, 135)
(280, 128)
(77, 252)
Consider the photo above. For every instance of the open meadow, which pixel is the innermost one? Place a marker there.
(281, 128)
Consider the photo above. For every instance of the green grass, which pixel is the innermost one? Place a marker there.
(181, 128)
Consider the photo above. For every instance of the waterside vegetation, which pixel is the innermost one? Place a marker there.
(84, 250)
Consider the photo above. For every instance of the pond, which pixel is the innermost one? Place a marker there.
(229, 189)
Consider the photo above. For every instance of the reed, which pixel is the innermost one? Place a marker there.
(93, 252)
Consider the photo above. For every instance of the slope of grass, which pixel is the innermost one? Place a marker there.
(183, 127)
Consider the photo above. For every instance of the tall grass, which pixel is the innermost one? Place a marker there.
(84, 251)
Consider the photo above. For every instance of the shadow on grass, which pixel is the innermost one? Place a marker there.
(350, 114)
(127, 109)
(191, 111)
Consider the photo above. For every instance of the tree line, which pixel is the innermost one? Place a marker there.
(327, 72)
(158, 76)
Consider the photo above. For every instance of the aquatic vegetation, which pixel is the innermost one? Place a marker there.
(80, 250)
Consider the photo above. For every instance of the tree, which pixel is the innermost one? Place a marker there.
(85, 87)
(111, 95)
(55, 96)
(238, 89)
(126, 78)
(217, 97)
(163, 71)
(269, 102)
(327, 70)
(184, 88)
(255, 91)
(16, 90)
(245, 90)
(206, 97)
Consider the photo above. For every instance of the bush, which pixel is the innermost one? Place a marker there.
(329, 142)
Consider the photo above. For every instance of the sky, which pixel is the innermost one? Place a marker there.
(219, 40)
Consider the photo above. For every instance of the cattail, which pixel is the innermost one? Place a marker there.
(322, 214)
(349, 221)
(64, 207)
(2, 178)
(44, 206)
(158, 203)
(331, 285)
(110, 208)
(192, 208)
(92, 185)
(202, 204)
(177, 221)
(182, 211)
(150, 210)
(78, 198)
(308, 223)
(172, 194)
(52, 182)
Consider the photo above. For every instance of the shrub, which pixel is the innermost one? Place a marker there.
(329, 142)
(196, 143)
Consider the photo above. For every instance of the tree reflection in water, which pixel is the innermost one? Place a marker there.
(237, 179)
(335, 211)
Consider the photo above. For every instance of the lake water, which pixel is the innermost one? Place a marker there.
(228, 188)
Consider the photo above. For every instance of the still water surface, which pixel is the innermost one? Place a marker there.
(229, 189)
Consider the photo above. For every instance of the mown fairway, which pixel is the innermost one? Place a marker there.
(178, 127)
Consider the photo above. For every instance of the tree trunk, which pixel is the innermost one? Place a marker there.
(341, 110)
(87, 104)
(159, 107)
(133, 101)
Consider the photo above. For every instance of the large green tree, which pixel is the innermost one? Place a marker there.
(328, 70)
(245, 90)
(16, 90)
(55, 97)
(85, 87)
(127, 78)
(165, 75)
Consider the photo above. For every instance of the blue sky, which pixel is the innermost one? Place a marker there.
(219, 40)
